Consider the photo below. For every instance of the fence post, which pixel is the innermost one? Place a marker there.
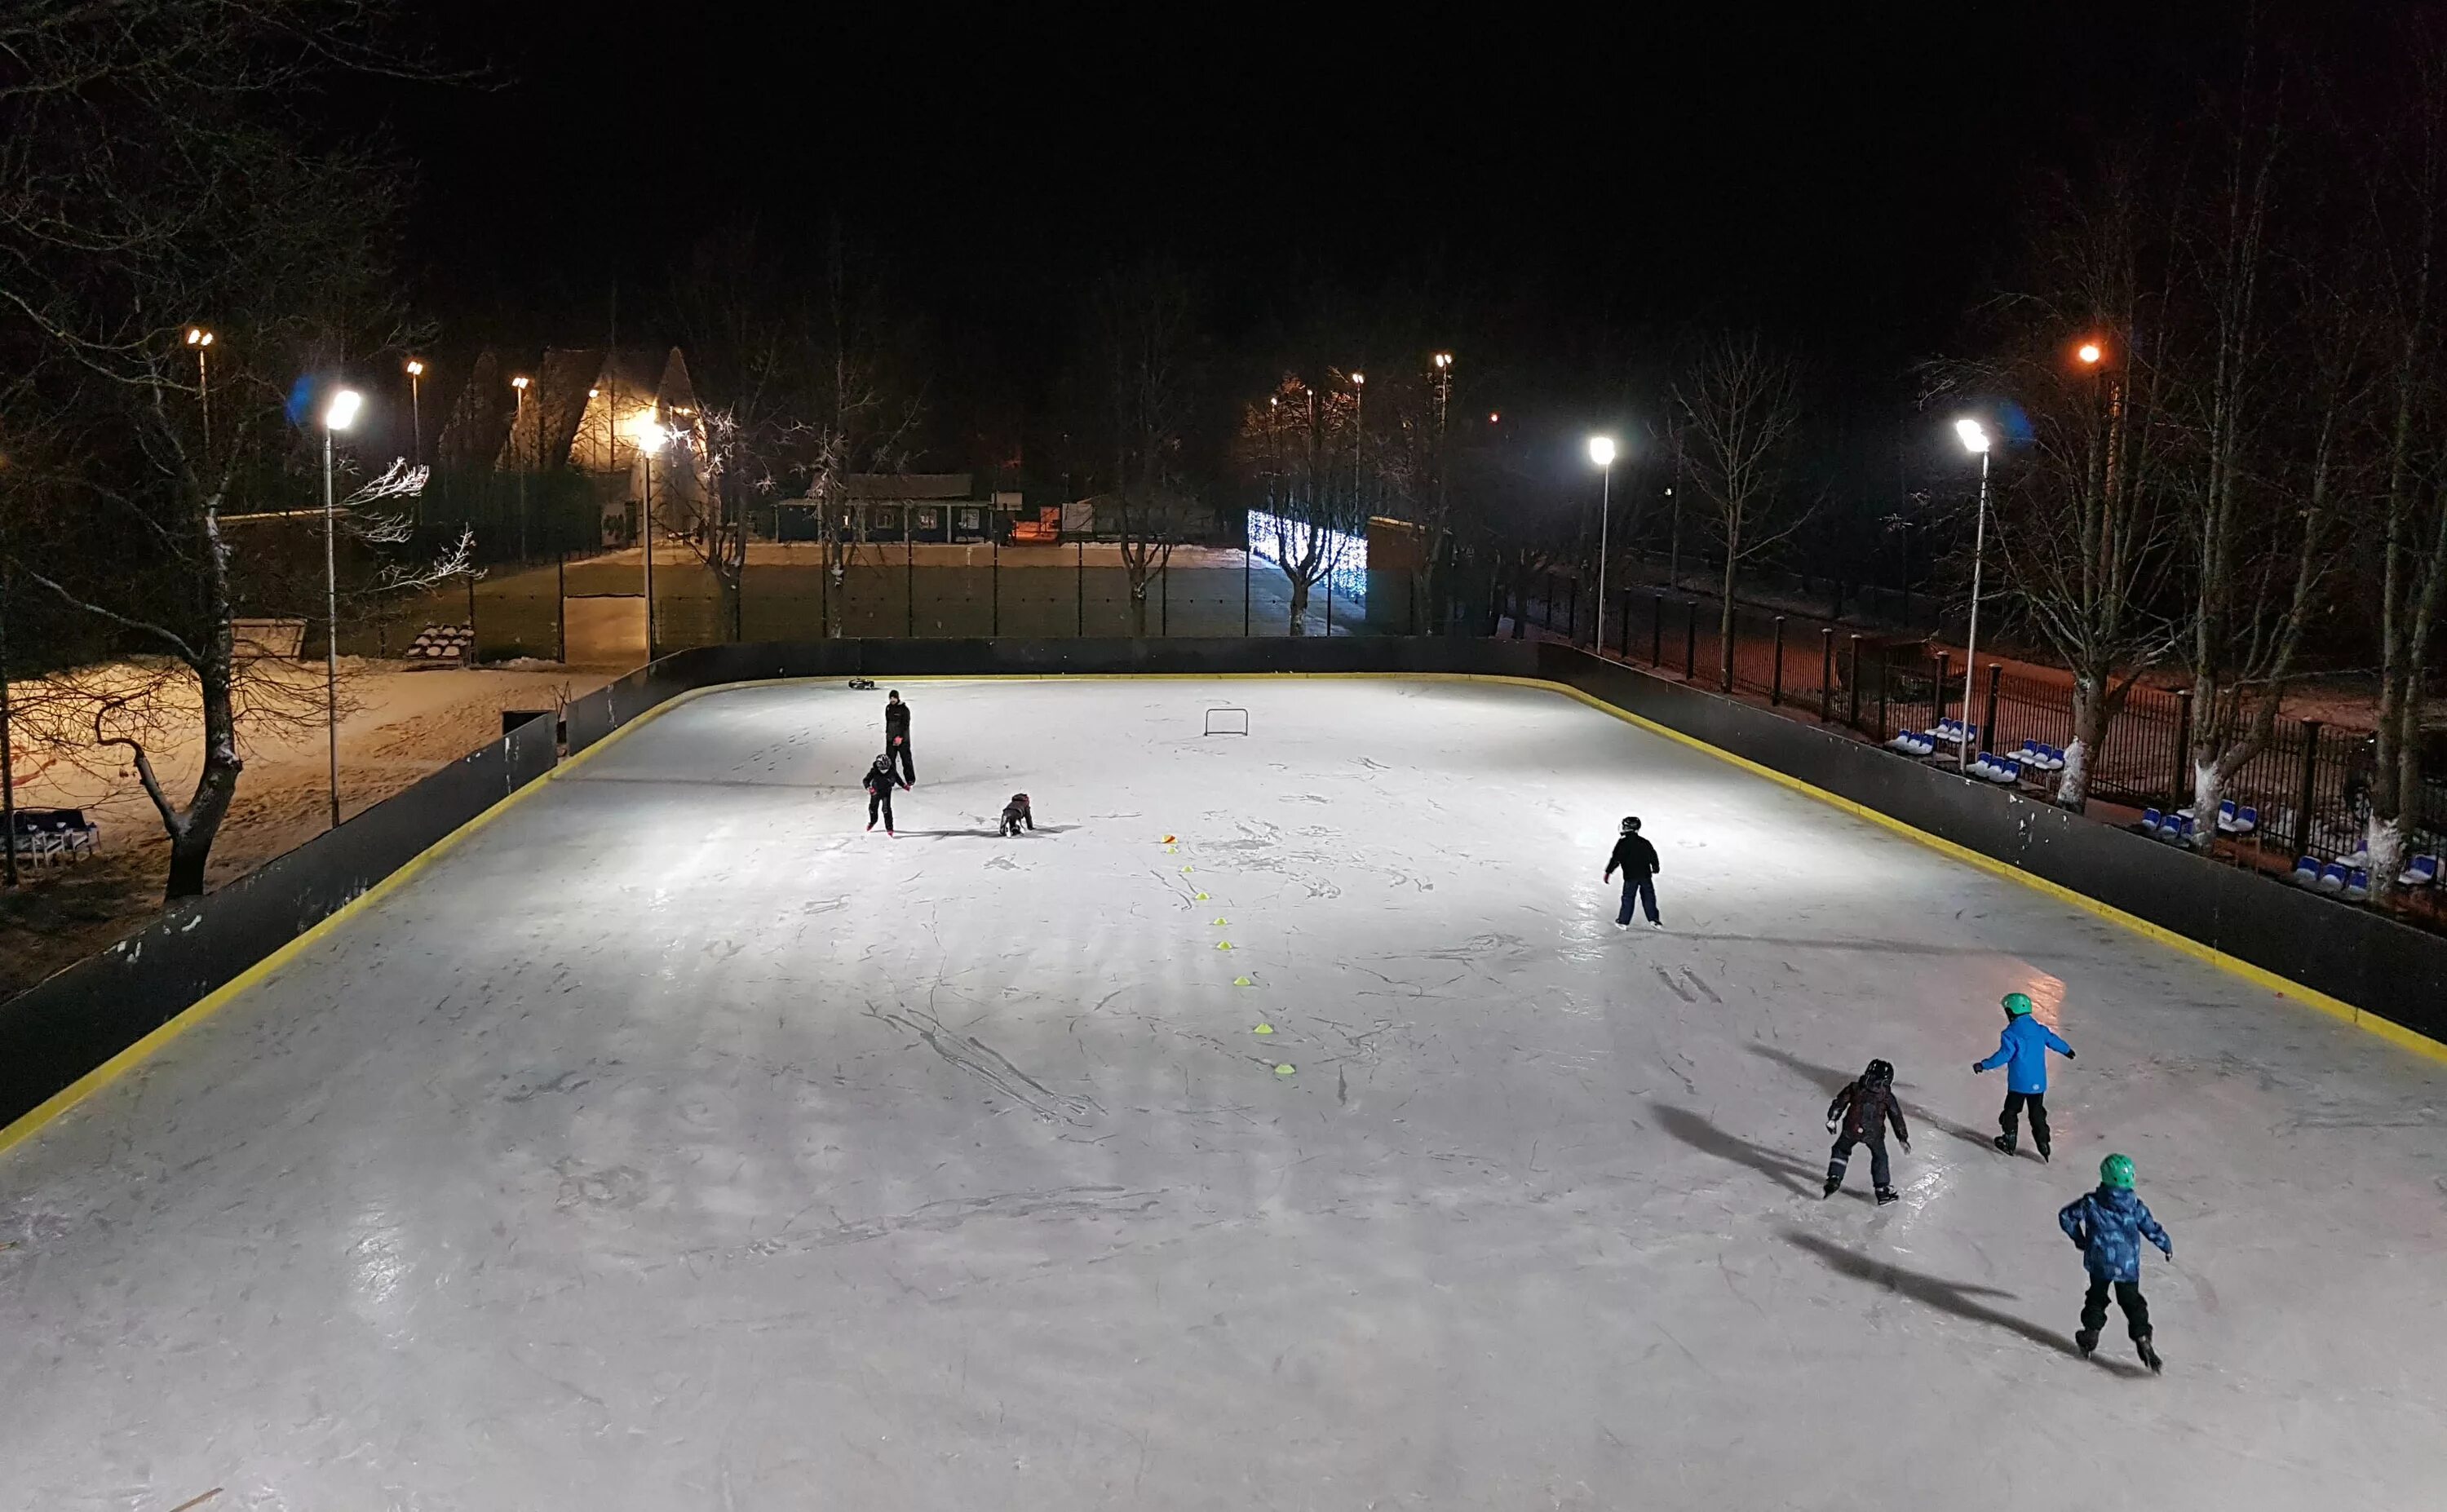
(1624, 640)
(1728, 625)
(1940, 697)
(1825, 669)
(1079, 580)
(1657, 630)
(1886, 680)
(1852, 683)
(1690, 638)
(994, 625)
(1572, 614)
(908, 572)
(2310, 789)
(2183, 747)
(1775, 686)
(1988, 730)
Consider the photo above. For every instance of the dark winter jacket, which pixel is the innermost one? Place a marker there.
(896, 720)
(1018, 811)
(1865, 1111)
(2108, 1227)
(1636, 858)
(2025, 1043)
(882, 778)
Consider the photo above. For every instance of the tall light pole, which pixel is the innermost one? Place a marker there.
(416, 410)
(1602, 452)
(338, 415)
(1975, 439)
(201, 339)
(519, 464)
(651, 437)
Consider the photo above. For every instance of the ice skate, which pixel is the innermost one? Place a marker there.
(1833, 1182)
(2148, 1353)
(870, 826)
(2085, 1341)
(1887, 1194)
(2005, 1143)
(2043, 1153)
(1656, 923)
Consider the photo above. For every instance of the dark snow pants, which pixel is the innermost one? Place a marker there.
(2037, 1103)
(2128, 1297)
(1842, 1155)
(879, 803)
(1641, 888)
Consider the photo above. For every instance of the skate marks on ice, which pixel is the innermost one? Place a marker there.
(1673, 984)
(1955, 1299)
(991, 1067)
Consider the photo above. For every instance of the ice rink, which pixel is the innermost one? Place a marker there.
(670, 1142)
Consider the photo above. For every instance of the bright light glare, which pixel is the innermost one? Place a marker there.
(1601, 450)
(650, 436)
(1443, 359)
(520, 381)
(1358, 378)
(415, 366)
(342, 411)
(198, 336)
(1975, 437)
(2090, 352)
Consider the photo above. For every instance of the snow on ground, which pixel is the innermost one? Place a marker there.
(674, 1142)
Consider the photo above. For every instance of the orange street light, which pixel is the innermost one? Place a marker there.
(2090, 353)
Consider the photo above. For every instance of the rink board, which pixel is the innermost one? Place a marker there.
(766, 1163)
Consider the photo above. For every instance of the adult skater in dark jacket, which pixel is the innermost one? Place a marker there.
(896, 736)
(1638, 860)
(881, 779)
(2108, 1227)
(1860, 1115)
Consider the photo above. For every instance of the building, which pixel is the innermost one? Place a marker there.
(588, 410)
(904, 507)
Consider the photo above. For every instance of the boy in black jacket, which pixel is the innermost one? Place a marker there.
(1864, 1110)
(896, 736)
(881, 779)
(1638, 859)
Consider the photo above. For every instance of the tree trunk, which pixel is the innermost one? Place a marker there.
(1138, 606)
(1300, 608)
(1725, 632)
(2091, 708)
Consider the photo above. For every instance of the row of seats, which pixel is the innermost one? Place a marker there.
(49, 836)
(2045, 758)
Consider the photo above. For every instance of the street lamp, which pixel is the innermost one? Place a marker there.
(2089, 352)
(1602, 452)
(416, 408)
(200, 338)
(651, 437)
(338, 415)
(1975, 439)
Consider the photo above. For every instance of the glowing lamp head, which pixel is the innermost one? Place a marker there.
(519, 383)
(198, 336)
(1443, 359)
(1974, 436)
(1492, 417)
(2089, 352)
(415, 367)
(1360, 380)
(1601, 450)
(650, 435)
(341, 412)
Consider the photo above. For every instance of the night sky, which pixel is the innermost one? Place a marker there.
(1846, 183)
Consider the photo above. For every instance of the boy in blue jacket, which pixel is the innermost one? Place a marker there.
(2022, 1050)
(2108, 1227)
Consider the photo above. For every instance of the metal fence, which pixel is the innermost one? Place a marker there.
(2308, 786)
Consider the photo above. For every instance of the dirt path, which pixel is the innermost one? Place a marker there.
(398, 726)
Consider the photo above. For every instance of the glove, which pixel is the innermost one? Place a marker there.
(2068, 1055)
(1831, 1125)
(1976, 1068)
(1906, 1144)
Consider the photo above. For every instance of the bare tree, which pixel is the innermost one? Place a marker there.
(1145, 340)
(1741, 408)
(864, 413)
(2405, 200)
(145, 183)
(1295, 449)
(2082, 528)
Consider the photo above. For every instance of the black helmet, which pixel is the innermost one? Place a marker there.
(1879, 1075)
(894, 694)
(1631, 825)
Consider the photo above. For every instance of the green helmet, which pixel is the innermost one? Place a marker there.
(2017, 1004)
(2116, 1171)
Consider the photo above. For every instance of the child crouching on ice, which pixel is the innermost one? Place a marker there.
(1017, 813)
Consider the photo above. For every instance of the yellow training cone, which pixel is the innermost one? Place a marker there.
(1223, 922)
(1285, 1070)
(1264, 1028)
(1242, 981)
(1202, 897)
(1223, 944)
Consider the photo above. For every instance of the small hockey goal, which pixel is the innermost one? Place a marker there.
(1226, 719)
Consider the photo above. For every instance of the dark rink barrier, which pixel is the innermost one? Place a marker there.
(73, 1025)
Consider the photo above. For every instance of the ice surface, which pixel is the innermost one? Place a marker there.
(673, 1144)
